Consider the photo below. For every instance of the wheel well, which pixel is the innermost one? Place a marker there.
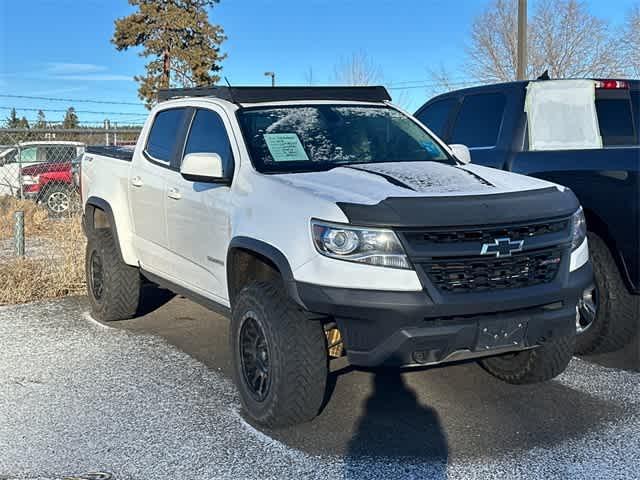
(596, 225)
(244, 266)
(97, 218)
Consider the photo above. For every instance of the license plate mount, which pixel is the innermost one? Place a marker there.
(498, 333)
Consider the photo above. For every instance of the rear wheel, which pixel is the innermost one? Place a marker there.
(607, 316)
(532, 366)
(280, 357)
(114, 288)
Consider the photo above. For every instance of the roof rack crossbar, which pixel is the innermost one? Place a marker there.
(276, 94)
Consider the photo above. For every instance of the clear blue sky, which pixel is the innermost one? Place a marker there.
(61, 48)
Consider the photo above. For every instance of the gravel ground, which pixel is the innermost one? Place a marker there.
(77, 397)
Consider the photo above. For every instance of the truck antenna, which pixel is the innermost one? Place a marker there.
(230, 90)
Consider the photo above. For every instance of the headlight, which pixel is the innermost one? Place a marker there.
(30, 179)
(373, 246)
(578, 229)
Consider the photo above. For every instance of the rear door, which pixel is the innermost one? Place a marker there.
(479, 124)
(198, 213)
(147, 185)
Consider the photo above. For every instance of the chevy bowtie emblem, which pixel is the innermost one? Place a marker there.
(502, 247)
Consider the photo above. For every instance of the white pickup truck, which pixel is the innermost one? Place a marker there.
(324, 220)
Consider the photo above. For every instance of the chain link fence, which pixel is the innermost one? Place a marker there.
(41, 239)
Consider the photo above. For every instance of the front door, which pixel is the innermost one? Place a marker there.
(198, 213)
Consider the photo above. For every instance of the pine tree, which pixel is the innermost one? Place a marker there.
(12, 120)
(176, 34)
(23, 123)
(70, 119)
(41, 121)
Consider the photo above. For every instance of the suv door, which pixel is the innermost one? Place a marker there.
(198, 213)
(147, 188)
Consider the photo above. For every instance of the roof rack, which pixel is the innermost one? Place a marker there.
(279, 94)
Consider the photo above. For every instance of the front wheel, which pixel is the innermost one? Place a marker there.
(60, 200)
(532, 366)
(607, 316)
(280, 357)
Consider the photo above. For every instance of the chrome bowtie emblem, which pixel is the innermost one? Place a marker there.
(502, 247)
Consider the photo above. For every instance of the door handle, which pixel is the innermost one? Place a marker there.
(137, 182)
(174, 193)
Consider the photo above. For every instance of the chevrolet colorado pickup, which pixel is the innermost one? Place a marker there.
(582, 134)
(325, 217)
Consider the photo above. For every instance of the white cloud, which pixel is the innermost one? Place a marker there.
(61, 68)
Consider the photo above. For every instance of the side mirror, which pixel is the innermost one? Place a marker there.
(203, 167)
(461, 152)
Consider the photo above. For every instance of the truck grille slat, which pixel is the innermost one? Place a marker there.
(477, 274)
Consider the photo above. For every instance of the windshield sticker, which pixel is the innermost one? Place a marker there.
(431, 148)
(285, 147)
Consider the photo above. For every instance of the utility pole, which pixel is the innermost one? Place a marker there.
(273, 77)
(521, 70)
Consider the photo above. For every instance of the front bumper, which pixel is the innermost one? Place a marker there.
(410, 328)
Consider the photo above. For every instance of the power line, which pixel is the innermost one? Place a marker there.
(72, 100)
(64, 111)
(435, 84)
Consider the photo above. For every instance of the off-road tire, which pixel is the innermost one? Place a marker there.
(297, 351)
(532, 366)
(121, 286)
(618, 313)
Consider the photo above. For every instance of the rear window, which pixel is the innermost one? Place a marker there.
(436, 115)
(163, 137)
(635, 104)
(615, 119)
(479, 120)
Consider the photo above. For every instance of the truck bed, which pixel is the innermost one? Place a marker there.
(119, 153)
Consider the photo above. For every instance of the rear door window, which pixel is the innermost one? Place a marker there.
(615, 119)
(436, 116)
(209, 135)
(479, 120)
(165, 135)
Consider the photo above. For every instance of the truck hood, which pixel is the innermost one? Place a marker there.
(369, 184)
(50, 167)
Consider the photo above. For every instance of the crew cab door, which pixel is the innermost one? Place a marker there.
(198, 213)
(147, 187)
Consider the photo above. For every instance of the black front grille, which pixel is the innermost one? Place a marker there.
(488, 234)
(477, 274)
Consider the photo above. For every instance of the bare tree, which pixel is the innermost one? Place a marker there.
(359, 69)
(631, 41)
(563, 38)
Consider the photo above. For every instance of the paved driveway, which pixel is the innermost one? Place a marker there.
(151, 399)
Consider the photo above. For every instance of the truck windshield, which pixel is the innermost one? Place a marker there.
(319, 137)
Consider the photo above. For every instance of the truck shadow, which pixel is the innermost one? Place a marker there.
(392, 416)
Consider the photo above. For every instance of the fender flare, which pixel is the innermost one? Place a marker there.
(88, 223)
(272, 254)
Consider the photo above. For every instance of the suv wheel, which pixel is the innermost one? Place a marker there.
(532, 366)
(113, 287)
(280, 357)
(606, 318)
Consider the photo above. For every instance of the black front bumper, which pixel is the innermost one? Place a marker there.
(410, 328)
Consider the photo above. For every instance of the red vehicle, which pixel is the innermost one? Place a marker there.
(52, 184)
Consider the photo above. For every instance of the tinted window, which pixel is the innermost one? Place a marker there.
(208, 135)
(615, 121)
(435, 116)
(164, 134)
(57, 153)
(479, 120)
